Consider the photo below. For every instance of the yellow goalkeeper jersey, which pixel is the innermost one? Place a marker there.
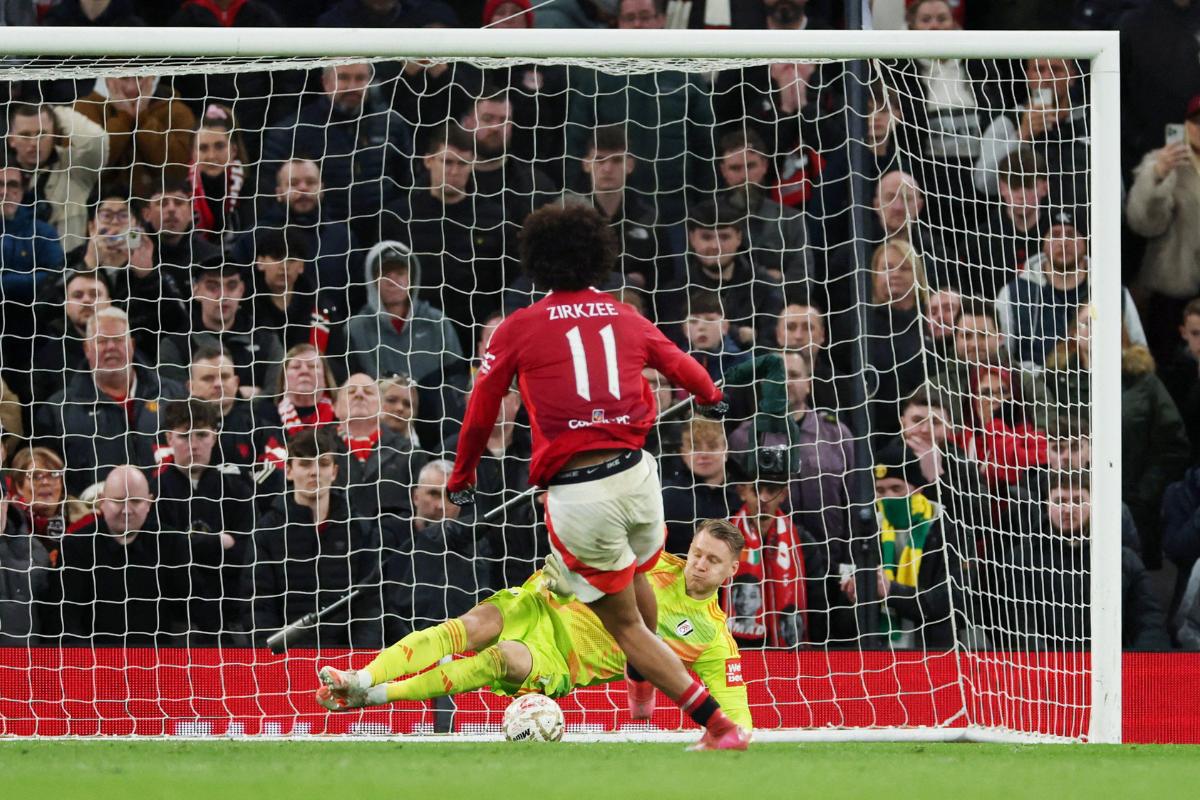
(694, 629)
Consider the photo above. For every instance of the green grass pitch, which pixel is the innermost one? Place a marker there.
(231, 770)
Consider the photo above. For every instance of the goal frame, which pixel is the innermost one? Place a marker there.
(1101, 49)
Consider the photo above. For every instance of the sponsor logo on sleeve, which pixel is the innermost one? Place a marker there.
(733, 672)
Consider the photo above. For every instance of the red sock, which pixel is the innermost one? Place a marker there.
(698, 704)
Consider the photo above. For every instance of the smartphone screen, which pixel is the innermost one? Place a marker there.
(1175, 134)
(1043, 98)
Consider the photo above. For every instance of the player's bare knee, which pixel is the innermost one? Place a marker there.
(482, 624)
(516, 660)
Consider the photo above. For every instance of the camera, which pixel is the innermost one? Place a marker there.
(773, 461)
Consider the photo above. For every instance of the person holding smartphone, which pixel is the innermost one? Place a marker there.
(1049, 121)
(1164, 206)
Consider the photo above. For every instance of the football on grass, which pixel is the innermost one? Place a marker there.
(533, 718)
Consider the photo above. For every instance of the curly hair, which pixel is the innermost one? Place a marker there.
(567, 248)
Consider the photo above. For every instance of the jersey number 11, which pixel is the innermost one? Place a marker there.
(579, 359)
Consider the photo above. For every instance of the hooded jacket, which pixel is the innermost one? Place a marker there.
(425, 348)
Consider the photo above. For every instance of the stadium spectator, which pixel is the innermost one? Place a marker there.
(379, 463)
(1181, 544)
(300, 398)
(946, 101)
(177, 244)
(1163, 205)
(399, 332)
(790, 107)
(1150, 418)
(458, 236)
(222, 317)
(1033, 309)
(997, 433)
(976, 342)
(1158, 48)
(943, 308)
(25, 577)
(121, 253)
(30, 252)
(1049, 121)
(386, 14)
(576, 14)
(895, 344)
(223, 189)
(62, 153)
(1006, 238)
(1052, 580)
(607, 166)
(700, 490)
(674, 137)
(921, 577)
(225, 14)
(58, 349)
(212, 378)
(452, 561)
(900, 214)
(499, 173)
(150, 132)
(108, 414)
(211, 505)
(363, 146)
(311, 549)
(1068, 449)
(717, 262)
(39, 498)
(824, 449)
(800, 327)
(1180, 373)
(508, 14)
(706, 333)
(432, 94)
(398, 395)
(12, 427)
(1065, 380)
(767, 603)
(883, 117)
(286, 299)
(123, 578)
(298, 205)
(775, 235)
(537, 91)
(97, 13)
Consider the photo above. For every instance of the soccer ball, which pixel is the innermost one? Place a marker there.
(533, 718)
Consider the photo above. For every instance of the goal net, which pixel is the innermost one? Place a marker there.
(244, 298)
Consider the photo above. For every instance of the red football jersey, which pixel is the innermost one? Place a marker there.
(578, 359)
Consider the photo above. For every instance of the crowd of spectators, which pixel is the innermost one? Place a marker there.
(242, 313)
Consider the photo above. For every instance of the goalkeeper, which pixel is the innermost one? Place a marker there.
(527, 639)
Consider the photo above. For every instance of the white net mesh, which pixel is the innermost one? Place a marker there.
(886, 262)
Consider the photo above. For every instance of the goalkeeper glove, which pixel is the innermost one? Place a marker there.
(463, 498)
(554, 576)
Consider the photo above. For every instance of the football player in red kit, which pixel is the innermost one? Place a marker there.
(578, 357)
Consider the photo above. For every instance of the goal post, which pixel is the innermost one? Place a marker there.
(989, 695)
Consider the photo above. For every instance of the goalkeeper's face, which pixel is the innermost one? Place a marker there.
(710, 563)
